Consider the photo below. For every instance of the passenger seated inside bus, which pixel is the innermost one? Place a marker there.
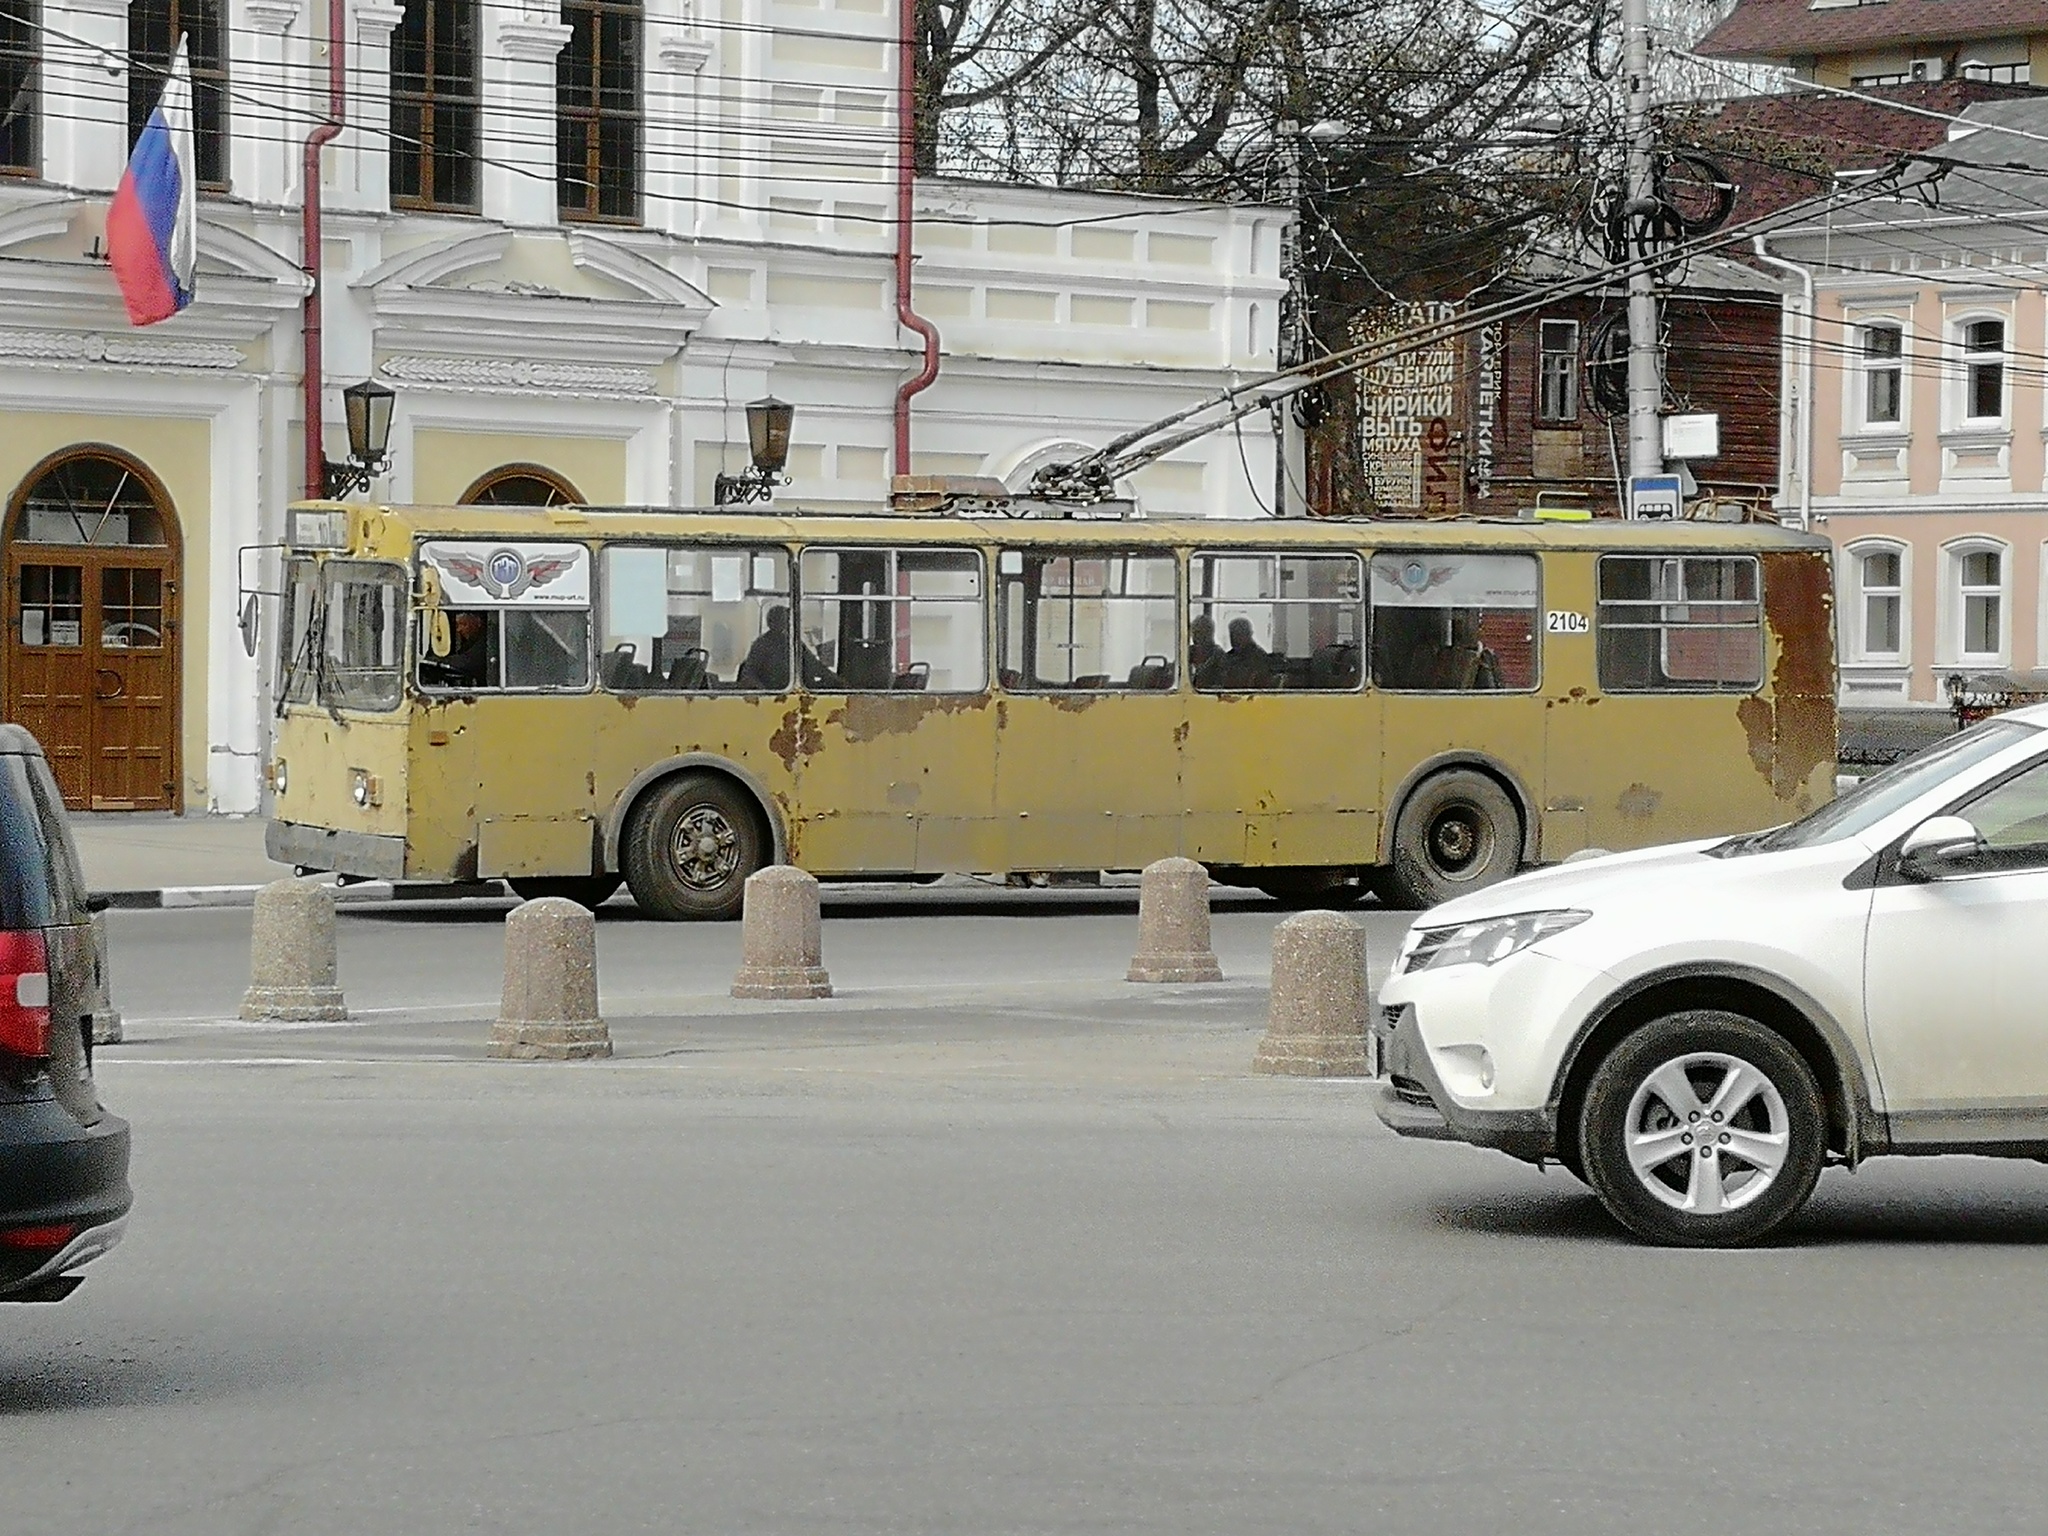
(1202, 646)
(766, 668)
(1245, 667)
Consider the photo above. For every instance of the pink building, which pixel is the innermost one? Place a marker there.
(1916, 351)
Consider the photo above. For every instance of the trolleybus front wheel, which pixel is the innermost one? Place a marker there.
(690, 847)
(591, 891)
(1458, 831)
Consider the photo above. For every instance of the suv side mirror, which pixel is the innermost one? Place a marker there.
(1938, 847)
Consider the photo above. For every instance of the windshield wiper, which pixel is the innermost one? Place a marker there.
(1748, 842)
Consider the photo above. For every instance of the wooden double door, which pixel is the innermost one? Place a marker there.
(91, 663)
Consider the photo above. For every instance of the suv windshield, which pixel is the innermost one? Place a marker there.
(1881, 794)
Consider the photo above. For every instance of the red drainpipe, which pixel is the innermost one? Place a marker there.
(906, 165)
(309, 243)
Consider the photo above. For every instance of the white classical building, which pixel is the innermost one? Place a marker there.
(576, 238)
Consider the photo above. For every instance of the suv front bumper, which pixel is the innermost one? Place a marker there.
(1411, 1100)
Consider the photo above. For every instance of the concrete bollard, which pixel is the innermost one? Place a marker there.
(781, 948)
(106, 1018)
(291, 956)
(1316, 1019)
(1173, 925)
(548, 1010)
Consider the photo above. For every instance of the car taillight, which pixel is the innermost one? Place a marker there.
(24, 994)
(56, 1235)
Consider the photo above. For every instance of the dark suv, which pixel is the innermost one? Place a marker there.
(64, 1193)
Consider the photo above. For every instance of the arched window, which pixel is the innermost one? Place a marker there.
(1975, 599)
(597, 111)
(20, 88)
(154, 27)
(90, 498)
(1877, 579)
(522, 485)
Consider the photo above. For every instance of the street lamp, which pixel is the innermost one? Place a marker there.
(368, 408)
(768, 423)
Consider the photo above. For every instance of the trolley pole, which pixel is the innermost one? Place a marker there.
(1645, 378)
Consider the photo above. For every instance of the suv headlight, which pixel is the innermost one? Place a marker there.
(1485, 942)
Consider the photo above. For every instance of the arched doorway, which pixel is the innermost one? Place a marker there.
(91, 655)
(522, 485)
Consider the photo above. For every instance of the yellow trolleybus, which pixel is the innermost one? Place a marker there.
(571, 697)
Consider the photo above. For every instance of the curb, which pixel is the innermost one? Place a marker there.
(189, 896)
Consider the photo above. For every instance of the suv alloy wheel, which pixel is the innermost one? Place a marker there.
(1703, 1129)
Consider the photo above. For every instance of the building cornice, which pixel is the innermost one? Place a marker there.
(118, 348)
(533, 42)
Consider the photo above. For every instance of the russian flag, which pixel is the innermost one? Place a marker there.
(153, 225)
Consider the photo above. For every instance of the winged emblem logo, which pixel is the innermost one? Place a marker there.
(1414, 576)
(504, 573)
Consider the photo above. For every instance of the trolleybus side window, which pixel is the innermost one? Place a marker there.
(1087, 619)
(1680, 624)
(694, 618)
(894, 620)
(1454, 623)
(1257, 622)
(518, 618)
(363, 636)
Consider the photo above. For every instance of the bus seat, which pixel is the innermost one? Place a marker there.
(914, 678)
(621, 671)
(1092, 680)
(688, 671)
(866, 664)
(1154, 672)
(1334, 667)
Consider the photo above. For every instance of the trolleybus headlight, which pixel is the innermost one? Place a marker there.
(278, 777)
(1485, 942)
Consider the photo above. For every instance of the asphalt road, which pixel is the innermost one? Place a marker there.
(1044, 1259)
(193, 963)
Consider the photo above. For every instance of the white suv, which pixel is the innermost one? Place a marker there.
(1697, 1030)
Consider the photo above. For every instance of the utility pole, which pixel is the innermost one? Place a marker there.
(1645, 378)
(1288, 337)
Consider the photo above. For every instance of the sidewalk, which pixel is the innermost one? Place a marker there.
(145, 860)
(127, 852)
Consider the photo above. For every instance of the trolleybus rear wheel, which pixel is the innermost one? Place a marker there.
(1457, 832)
(690, 847)
(591, 891)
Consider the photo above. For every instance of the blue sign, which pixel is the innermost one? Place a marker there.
(1655, 496)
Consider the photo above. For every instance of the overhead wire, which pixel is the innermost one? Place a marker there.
(1177, 207)
(1130, 451)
